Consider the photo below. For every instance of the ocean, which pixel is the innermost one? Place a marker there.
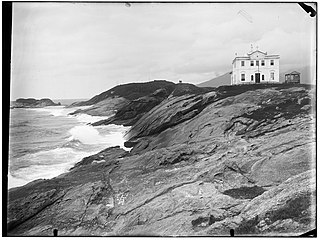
(46, 142)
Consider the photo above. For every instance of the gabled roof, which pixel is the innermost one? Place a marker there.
(271, 56)
(294, 72)
(257, 51)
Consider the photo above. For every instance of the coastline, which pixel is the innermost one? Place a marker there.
(207, 162)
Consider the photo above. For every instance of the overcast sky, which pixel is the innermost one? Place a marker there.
(78, 50)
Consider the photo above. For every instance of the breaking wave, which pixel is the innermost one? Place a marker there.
(57, 155)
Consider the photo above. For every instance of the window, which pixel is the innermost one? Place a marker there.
(252, 63)
(257, 63)
(243, 77)
(271, 62)
(251, 77)
(272, 75)
(242, 63)
(262, 77)
(262, 62)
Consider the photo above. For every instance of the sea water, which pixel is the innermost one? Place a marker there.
(46, 142)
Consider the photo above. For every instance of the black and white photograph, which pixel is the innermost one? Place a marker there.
(169, 119)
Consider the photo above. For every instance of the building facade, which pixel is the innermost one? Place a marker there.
(256, 67)
(293, 77)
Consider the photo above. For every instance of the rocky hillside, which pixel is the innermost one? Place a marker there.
(130, 102)
(238, 157)
(129, 91)
(124, 97)
(32, 103)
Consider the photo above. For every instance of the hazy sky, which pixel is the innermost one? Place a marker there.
(78, 50)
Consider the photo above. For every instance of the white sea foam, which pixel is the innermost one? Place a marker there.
(15, 182)
(86, 134)
(51, 163)
(62, 111)
(82, 140)
(85, 118)
(110, 135)
(54, 110)
(59, 110)
(45, 164)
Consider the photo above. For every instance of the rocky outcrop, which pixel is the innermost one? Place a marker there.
(129, 114)
(166, 116)
(135, 109)
(248, 114)
(287, 208)
(109, 153)
(201, 164)
(106, 107)
(127, 103)
(130, 91)
(30, 206)
(33, 103)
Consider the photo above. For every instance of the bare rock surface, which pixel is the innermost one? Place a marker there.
(131, 112)
(106, 154)
(106, 107)
(201, 164)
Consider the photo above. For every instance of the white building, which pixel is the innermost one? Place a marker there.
(256, 67)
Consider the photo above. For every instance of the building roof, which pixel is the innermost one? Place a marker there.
(294, 72)
(265, 53)
(249, 54)
(273, 56)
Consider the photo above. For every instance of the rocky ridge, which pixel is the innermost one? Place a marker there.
(128, 91)
(126, 104)
(239, 157)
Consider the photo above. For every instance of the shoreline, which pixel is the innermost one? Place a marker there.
(82, 120)
(200, 163)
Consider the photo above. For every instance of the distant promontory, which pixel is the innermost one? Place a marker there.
(33, 103)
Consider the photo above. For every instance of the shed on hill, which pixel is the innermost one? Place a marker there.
(293, 77)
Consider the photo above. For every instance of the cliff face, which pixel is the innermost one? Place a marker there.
(33, 103)
(237, 158)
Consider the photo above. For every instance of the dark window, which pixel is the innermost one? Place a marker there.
(242, 63)
(262, 77)
(252, 63)
(257, 63)
(243, 77)
(262, 62)
(272, 62)
(251, 77)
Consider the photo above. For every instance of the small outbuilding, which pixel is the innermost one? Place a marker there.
(293, 77)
